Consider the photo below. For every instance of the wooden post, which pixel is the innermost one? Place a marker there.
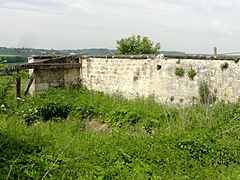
(28, 87)
(18, 85)
(215, 51)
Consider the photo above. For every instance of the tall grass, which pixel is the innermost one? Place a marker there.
(46, 137)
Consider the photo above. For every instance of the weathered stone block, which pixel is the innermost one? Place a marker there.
(41, 86)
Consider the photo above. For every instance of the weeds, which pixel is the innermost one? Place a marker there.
(179, 71)
(147, 140)
(192, 73)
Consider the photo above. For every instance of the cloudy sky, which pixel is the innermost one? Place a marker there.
(184, 25)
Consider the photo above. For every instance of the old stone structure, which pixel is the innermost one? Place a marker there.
(53, 75)
(143, 76)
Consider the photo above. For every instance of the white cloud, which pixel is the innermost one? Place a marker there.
(223, 28)
(177, 24)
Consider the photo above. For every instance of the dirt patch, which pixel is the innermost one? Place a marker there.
(96, 126)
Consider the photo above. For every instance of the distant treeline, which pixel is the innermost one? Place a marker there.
(31, 51)
(93, 51)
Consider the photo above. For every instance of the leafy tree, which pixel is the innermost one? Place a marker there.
(52, 54)
(137, 45)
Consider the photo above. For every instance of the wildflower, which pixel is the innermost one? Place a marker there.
(36, 123)
(2, 106)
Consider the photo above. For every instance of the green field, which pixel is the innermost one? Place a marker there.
(74, 133)
(12, 59)
(10, 55)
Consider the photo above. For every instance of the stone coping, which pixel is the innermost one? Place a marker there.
(187, 56)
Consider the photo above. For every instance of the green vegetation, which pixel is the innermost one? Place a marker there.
(206, 96)
(26, 52)
(6, 85)
(1, 67)
(48, 136)
(137, 45)
(12, 59)
(179, 71)
(192, 73)
(53, 54)
(224, 66)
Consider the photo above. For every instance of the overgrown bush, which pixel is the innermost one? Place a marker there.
(53, 109)
(45, 106)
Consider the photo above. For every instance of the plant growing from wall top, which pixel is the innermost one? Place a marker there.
(224, 65)
(179, 71)
(206, 96)
(178, 61)
(192, 73)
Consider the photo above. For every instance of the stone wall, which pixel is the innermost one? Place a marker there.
(148, 76)
(156, 77)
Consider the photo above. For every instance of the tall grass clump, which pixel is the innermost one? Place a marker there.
(206, 96)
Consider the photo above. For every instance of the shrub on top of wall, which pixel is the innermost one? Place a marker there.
(179, 71)
(224, 65)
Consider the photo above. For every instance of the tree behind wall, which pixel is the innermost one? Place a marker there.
(137, 45)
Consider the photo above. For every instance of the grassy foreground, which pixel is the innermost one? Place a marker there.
(47, 137)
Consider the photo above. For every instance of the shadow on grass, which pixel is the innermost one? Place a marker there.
(21, 159)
